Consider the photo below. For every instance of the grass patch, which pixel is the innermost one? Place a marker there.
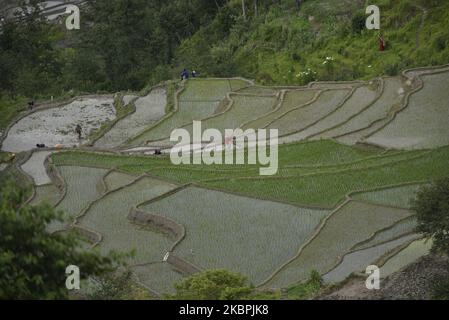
(10, 109)
(306, 290)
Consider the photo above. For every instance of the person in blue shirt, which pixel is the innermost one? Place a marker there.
(194, 74)
(184, 74)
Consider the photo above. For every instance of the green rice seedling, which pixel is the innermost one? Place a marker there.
(423, 124)
(292, 99)
(46, 193)
(397, 196)
(108, 216)
(330, 188)
(244, 108)
(299, 119)
(187, 112)
(259, 90)
(159, 277)
(358, 261)
(116, 179)
(351, 224)
(360, 99)
(185, 174)
(250, 236)
(84, 185)
(408, 255)
(207, 89)
(379, 110)
(239, 84)
(399, 229)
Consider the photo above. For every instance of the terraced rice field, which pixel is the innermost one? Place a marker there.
(46, 193)
(408, 255)
(362, 124)
(358, 261)
(292, 99)
(329, 189)
(243, 109)
(149, 110)
(335, 239)
(246, 235)
(395, 196)
(83, 185)
(207, 90)
(301, 118)
(56, 126)
(109, 217)
(36, 169)
(331, 207)
(115, 179)
(359, 100)
(188, 111)
(423, 124)
(401, 228)
(159, 277)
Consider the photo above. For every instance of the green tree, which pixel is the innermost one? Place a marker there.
(432, 208)
(308, 289)
(32, 261)
(213, 285)
(117, 286)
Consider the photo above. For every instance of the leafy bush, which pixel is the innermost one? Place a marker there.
(32, 261)
(307, 289)
(432, 207)
(212, 285)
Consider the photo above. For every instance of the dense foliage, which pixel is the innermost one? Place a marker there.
(212, 285)
(432, 207)
(32, 261)
(127, 44)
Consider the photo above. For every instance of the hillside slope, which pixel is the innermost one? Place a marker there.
(281, 44)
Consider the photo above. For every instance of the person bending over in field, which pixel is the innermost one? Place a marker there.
(78, 131)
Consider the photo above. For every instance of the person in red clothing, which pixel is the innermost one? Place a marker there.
(381, 43)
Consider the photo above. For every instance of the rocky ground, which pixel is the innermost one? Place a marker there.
(412, 283)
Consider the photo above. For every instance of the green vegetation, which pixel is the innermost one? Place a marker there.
(327, 185)
(335, 239)
(225, 227)
(423, 123)
(280, 44)
(47, 193)
(34, 262)
(308, 289)
(158, 276)
(10, 109)
(441, 288)
(83, 185)
(109, 217)
(212, 285)
(403, 227)
(326, 103)
(133, 44)
(116, 286)
(431, 205)
(400, 196)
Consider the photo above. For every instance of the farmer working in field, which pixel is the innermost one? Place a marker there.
(381, 43)
(184, 74)
(78, 131)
